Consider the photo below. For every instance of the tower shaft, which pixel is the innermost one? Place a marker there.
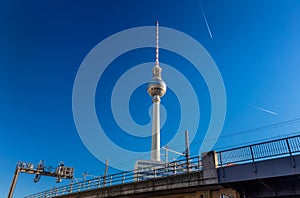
(155, 148)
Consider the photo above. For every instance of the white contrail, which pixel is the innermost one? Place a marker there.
(266, 110)
(204, 16)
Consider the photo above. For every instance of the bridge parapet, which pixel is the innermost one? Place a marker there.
(285, 147)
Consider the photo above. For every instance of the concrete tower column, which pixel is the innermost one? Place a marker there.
(155, 148)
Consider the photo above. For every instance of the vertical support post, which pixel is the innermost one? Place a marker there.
(99, 182)
(166, 154)
(175, 170)
(84, 178)
(105, 172)
(290, 152)
(104, 181)
(253, 162)
(64, 190)
(220, 157)
(199, 162)
(221, 164)
(123, 178)
(14, 182)
(187, 151)
(136, 176)
(71, 185)
(110, 182)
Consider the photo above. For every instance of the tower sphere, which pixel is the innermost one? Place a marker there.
(157, 87)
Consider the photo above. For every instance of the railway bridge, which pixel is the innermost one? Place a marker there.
(267, 169)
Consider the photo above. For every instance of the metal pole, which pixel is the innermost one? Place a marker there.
(105, 173)
(187, 150)
(166, 154)
(14, 182)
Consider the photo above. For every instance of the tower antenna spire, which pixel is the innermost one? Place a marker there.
(156, 60)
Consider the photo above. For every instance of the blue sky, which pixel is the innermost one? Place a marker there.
(255, 45)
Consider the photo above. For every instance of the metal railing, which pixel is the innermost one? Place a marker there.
(262, 151)
(147, 173)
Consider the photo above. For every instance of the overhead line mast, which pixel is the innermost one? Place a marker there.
(61, 172)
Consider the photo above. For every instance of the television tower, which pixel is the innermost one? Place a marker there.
(156, 89)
